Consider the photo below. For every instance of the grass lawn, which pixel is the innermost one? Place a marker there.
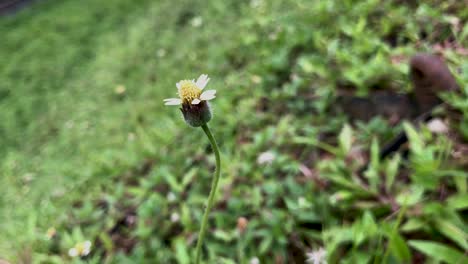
(89, 150)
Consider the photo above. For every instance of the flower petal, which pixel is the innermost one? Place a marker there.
(87, 244)
(196, 101)
(202, 81)
(172, 101)
(210, 98)
(208, 95)
(72, 252)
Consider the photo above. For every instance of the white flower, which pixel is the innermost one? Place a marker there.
(255, 3)
(81, 249)
(437, 126)
(161, 53)
(266, 157)
(175, 217)
(171, 197)
(317, 257)
(254, 260)
(302, 202)
(256, 79)
(73, 252)
(197, 21)
(120, 89)
(191, 92)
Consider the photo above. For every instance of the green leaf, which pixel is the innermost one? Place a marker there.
(369, 224)
(411, 196)
(265, 244)
(316, 143)
(364, 229)
(188, 177)
(180, 247)
(461, 184)
(375, 159)
(333, 237)
(223, 235)
(439, 251)
(452, 232)
(345, 138)
(106, 241)
(416, 142)
(413, 224)
(391, 171)
(458, 202)
(373, 173)
(173, 183)
(399, 248)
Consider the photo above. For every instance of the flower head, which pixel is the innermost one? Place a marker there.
(80, 249)
(254, 260)
(191, 92)
(197, 21)
(266, 157)
(51, 232)
(317, 257)
(193, 99)
(242, 223)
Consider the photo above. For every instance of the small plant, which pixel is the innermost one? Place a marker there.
(197, 113)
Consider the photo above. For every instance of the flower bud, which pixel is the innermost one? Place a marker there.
(242, 223)
(196, 114)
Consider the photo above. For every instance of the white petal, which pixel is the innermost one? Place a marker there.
(86, 251)
(266, 157)
(202, 81)
(437, 126)
(177, 85)
(196, 101)
(209, 98)
(72, 252)
(208, 95)
(87, 244)
(172, 101)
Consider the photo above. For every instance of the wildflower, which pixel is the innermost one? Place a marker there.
(317, 257)
(197, 21)
(256, 79)
(266, 157)
(254, 260)
(51, 232)
(171, 197)
(120, 89)
(161, 53)
(193, 99)
(242, 223)
(437, 126)
(80, 249)
(175, 217)
(197, 113)
(58, 192)
(302, 202)
(255, 3)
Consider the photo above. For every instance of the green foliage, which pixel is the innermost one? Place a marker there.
(89, 149)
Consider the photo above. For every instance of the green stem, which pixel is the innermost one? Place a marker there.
(214, 186)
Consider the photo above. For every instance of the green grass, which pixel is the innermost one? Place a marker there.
(100, 165)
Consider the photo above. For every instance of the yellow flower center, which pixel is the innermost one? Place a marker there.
(51, 232)
(188, 91)
(80, 247)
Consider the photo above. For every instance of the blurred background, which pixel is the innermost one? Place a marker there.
(95, 169)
